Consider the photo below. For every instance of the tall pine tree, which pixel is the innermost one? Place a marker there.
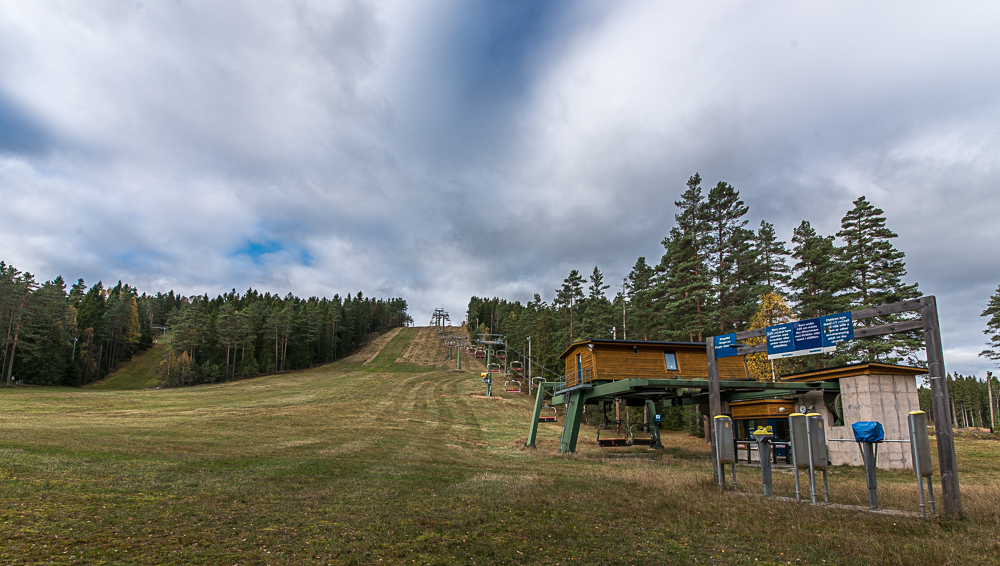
(874, 275)
(818, 279)
(725, 216)
(684, 282)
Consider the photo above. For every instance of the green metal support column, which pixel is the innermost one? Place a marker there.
(459, 357)
(571, 430)
(653, 425)
(535, 415)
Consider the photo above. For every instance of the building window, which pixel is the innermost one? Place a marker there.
(671, 360)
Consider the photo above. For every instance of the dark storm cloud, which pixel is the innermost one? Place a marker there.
(439, 149)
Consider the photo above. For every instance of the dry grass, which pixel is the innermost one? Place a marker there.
(377, 463)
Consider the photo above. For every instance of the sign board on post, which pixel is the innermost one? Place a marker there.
(724, 345)
(810, 336)
(779, 341)
(837, 328)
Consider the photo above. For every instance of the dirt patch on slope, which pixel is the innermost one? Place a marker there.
(426, 348)
(368, 352)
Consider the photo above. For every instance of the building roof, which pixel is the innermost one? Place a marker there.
(865, 368)
(607, 341)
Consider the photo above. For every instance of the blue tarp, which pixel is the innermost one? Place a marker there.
(868, 431)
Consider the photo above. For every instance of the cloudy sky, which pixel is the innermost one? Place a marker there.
(440, 149)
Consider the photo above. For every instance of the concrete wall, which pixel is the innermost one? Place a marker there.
(887, 399)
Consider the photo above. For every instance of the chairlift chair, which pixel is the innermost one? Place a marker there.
(642, 440)
(512, 386)
(609, 442)
(501, 354)
(516, 366)
(481, 354)
(493, 368)
(548, 418)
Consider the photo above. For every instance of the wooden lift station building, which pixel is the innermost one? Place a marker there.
(641, 372)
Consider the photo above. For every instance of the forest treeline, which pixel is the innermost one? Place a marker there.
(54, 335)
(969, 400)
(716, 276)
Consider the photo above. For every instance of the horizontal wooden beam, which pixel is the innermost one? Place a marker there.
(891, 328)
(882, 310)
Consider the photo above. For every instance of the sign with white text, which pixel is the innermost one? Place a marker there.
(724, 345)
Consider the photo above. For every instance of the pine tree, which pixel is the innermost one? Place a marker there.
(992, 327)
(775, 274)
(683, 282)
(597, 308)
(724, 214)
(874, 274)
(819, 279)
(640, 295)
(568, 295)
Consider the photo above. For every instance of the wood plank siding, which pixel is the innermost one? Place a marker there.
(610, 360)
(762, 409)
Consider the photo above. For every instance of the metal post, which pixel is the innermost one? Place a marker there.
(714, 405)
(826, 488)
(764, 452)
(868, 454)
(489, 376)
(930, 494)
(529, 365)
(571, 428)
(459, 357)
(812, 469)
(532, 433)
(795, 458)
(947, 460)
(655, 426)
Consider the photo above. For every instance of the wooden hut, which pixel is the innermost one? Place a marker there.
(599, 360)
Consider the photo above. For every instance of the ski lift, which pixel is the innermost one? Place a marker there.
(512, 386)
(548, 418)
(481, 353)
(610, 442)
(493, 368)
(516, 366)
(501, 354)
(535, 381)
(642, 440)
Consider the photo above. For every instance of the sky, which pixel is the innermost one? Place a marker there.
(435, 150)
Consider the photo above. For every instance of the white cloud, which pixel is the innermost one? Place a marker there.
(443, 149)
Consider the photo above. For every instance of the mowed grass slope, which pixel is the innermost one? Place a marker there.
(137, 373)
(377, 463)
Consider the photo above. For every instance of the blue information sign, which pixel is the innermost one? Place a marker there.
(807, 334)
(797, 339)
(837, 328)
(724, 345)
(779, 340)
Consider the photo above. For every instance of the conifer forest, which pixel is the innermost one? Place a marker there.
(54, 335)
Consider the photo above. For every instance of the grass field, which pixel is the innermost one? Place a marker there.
(386, 463)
